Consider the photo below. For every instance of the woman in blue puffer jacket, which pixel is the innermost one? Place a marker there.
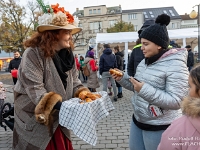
(159, 86)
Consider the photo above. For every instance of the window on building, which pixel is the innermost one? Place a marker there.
(174, 25)
(132, 16)
(90, 11)
(95, 27)
(178, 25)
(151, 13)
(136, 27)
(165, 12)
(94, 11)
(171, 12)
(99, 11)
(145, 14)
(91, 27)
(112, 22)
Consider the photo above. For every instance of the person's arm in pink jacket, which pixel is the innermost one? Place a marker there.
(77, 64)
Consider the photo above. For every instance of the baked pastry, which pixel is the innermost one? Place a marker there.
(116, 72)
(93, 96)
(83, 95)
(88, 100)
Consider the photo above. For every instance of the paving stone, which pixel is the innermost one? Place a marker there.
(111, 145)
(112, 131)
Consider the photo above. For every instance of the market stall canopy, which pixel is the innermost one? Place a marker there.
(121, 37)
(118, 37)
(181, 36)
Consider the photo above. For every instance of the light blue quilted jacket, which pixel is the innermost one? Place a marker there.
(165, 84)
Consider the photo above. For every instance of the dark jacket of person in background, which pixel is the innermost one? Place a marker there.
(107, 61)
(137, 55)
(190, 60)
(120, 61)
(14, 64)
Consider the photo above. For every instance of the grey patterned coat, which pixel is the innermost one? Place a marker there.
(165, 84)
(37, 76)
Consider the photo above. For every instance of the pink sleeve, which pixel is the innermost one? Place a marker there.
(77, 64)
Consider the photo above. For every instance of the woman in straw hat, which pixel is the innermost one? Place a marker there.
(46, 77)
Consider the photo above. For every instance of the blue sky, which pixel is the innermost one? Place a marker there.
(71, 5)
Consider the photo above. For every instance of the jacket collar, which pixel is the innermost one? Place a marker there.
(154, 58)
(191, 108)
(136, 46)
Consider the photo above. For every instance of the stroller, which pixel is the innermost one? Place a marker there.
(7, 116)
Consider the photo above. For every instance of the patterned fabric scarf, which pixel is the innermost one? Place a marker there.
(64, 61)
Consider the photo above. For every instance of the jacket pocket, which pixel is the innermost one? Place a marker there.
(155, 111)
(28, 126)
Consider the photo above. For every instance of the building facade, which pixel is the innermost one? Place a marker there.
(188, 22)
(93, 20)
(96, 19)
(138, 16)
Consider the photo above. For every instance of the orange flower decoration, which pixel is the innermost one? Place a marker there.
(56, 9)
(70, 18)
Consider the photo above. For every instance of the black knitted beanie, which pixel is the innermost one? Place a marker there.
(157, 33)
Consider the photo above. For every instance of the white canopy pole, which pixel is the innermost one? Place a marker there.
(126, 56)
(184, 42)
(97, 52)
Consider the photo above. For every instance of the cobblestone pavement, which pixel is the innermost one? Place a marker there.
(112, 131)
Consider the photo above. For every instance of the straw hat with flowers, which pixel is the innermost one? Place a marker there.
(55, 17)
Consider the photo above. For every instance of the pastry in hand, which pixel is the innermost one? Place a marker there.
(93, 96)
(88, 100)
(116, 72)
(83, 95)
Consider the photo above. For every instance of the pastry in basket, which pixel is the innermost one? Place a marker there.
(82, 102)
(116, 72)
(83, 95)
(93, 96)
(88, 100)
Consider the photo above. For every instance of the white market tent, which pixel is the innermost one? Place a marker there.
(184, 36)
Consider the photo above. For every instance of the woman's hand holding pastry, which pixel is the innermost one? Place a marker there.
(116, 74)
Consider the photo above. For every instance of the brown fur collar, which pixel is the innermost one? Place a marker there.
(191, 107)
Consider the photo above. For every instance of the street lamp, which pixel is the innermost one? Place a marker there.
(193, 15)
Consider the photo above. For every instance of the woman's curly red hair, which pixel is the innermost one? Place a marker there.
(46, 41)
